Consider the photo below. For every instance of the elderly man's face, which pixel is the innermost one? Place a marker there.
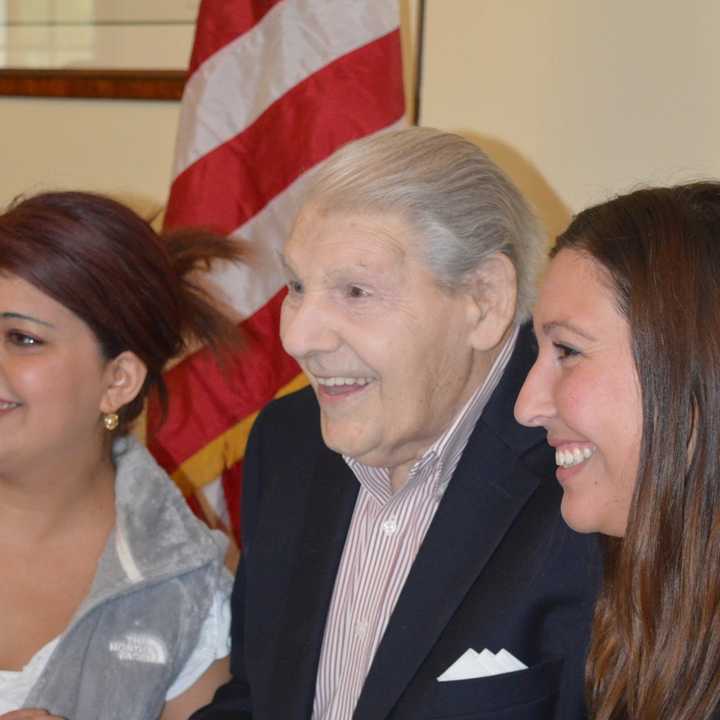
(387, 351)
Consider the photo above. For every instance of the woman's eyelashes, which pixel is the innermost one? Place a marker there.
(19, 338)
(564, 351)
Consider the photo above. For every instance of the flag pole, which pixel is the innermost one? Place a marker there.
(418, 61)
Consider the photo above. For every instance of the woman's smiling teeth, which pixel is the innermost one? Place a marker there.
(568, 457)
(333, 381)
(8, 405)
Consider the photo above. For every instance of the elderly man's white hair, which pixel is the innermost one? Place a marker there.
(461, 204)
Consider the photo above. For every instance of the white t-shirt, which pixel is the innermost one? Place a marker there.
(214, 644)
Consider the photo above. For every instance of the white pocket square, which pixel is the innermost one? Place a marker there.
(472, 665)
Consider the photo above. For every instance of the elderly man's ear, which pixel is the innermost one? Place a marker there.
(492, 298)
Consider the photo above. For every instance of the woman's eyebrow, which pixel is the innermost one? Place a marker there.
(566, 325)
(20, 316)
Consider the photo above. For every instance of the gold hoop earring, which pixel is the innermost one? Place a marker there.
(111, 421)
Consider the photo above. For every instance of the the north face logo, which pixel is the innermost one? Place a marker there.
(140, 647)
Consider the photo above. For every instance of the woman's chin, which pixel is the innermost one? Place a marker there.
(585, 522)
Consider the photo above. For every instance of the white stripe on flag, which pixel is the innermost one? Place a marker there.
(249, 286)
(295, 39)
(215, 495)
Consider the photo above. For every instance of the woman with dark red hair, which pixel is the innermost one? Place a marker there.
(113, 596)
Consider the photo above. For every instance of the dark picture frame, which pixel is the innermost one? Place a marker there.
(95, 76)
(93, 83)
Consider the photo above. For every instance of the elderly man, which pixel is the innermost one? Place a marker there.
(398, 521)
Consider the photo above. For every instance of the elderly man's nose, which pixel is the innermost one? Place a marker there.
(306, 328)
(534, 405)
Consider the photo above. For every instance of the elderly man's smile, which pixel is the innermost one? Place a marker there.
(341, 385)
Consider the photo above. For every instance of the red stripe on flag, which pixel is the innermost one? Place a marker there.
(358, 94)
(206, 399)
(219, 22)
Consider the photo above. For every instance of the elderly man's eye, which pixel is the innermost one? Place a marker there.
(353, 291)
(295, 287)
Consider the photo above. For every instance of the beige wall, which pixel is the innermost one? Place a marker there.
(578, 99)
(575, 99)
(123, 148)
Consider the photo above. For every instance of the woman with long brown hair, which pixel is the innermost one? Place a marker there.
(627, 384)
(114, 596)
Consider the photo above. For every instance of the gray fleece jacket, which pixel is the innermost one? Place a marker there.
(152, 591)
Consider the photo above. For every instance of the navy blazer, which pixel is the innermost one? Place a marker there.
(498, 568)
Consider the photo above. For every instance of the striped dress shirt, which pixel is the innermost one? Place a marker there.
(383, 539)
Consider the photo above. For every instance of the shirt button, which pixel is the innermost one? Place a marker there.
(390, 526)
(361, 628)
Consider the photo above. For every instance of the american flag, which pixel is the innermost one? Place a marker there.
(274, 88)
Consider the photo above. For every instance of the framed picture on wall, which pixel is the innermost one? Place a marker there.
(96, 48)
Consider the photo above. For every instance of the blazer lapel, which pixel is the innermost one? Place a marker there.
(471, 521)
(489, 488)
(326, 515)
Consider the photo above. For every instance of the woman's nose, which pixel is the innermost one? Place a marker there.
(534, 405)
